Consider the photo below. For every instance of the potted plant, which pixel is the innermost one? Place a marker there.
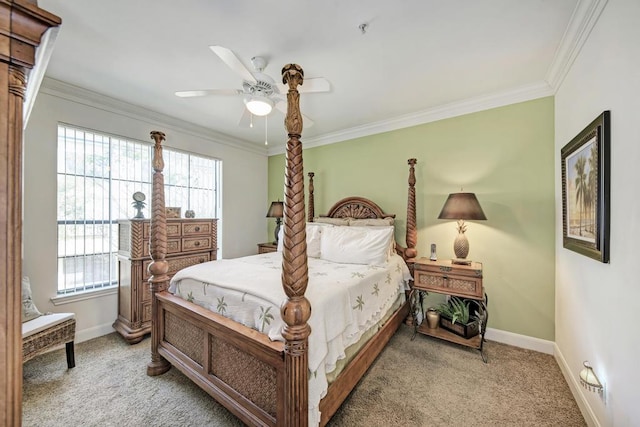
(455, 316)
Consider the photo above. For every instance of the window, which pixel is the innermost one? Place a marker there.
(97, 175)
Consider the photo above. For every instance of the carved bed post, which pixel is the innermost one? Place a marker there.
(158, 250)
(412, 232)
(312, 207)
(296, 309)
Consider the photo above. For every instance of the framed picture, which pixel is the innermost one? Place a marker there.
(585, 190)
(172, 212)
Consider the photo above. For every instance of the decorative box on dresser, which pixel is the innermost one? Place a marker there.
(189, 242)
(464, 281)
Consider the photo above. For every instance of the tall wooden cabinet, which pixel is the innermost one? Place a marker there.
(22, 25)
(189, 242)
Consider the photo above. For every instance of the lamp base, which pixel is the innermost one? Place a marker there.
(462, 261)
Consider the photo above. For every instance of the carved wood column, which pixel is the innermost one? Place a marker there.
(312, 205)
(296, 310)
(22, 25)
(412, 232)
(159, 280)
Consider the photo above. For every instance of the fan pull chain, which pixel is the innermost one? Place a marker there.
(266, 122)
(251, 122)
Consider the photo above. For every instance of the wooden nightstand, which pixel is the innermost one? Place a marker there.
(264, 248)
(459, 280)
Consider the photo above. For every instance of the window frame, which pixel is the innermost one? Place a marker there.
(211, 172)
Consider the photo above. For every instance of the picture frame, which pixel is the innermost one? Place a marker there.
(172, 212)
(585, 190)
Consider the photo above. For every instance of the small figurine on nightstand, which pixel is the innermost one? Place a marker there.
(138, 203)
(433, 256)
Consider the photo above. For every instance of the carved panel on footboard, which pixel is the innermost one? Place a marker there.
(244, 376)
(249, 376)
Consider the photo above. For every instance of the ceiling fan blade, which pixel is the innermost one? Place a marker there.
(316, 84)
(207, 92)
(246, 119)
(232, 61)
(282, 106)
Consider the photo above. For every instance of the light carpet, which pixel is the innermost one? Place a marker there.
(424, 382)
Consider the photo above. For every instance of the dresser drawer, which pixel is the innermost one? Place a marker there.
(195, 228)
(173, 247)
(196, 244)
(174, 229)
(449, 284)
(177, 263)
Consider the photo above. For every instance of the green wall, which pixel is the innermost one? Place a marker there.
(504, 155)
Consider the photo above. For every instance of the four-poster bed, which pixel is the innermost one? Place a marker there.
(261, 381)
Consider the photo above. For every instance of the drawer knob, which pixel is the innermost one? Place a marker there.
(196, 244)
(201, 260)
(445, 277)
(197, 228)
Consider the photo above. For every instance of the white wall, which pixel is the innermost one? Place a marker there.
(244, 191)
(597, 305)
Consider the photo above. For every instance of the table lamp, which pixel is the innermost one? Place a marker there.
(461, 206)
(276, 210)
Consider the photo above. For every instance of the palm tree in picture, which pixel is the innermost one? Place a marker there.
(592, 185)
(581, 188)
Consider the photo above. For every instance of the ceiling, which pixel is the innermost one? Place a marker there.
(415, 57)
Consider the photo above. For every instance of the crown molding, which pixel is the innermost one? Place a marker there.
(83, 96)
(584, 18)
(454, 109)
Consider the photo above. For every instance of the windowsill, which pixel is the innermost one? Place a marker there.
(81, 296)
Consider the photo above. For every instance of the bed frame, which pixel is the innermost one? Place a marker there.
(262, 382)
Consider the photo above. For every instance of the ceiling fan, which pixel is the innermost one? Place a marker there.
(261, 93)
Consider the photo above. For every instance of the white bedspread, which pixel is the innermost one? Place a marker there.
(346, 300)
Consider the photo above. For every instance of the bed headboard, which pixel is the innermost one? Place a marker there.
(357, 207)
(362, 208)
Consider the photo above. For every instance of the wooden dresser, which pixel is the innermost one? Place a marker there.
(189, 242)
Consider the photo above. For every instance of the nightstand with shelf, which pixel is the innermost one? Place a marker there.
(267, 247)
(464, 281)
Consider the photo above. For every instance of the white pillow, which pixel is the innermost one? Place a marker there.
(371, 221)
(314, 239)
(356, 245)
(29, 309)
(280, 234)
(314, 233)
(392, 242)
(329, 220)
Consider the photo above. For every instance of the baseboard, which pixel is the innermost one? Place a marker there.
(95, 332)
(522, 341)
(576, 389)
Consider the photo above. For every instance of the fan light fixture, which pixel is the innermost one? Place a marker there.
(259, 105)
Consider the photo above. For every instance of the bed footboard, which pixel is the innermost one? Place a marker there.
(240, 367)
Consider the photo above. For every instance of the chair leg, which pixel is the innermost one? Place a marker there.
(71, 359)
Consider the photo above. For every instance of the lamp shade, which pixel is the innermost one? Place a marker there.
(276, 210)
(462, 206)
(259, 105)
